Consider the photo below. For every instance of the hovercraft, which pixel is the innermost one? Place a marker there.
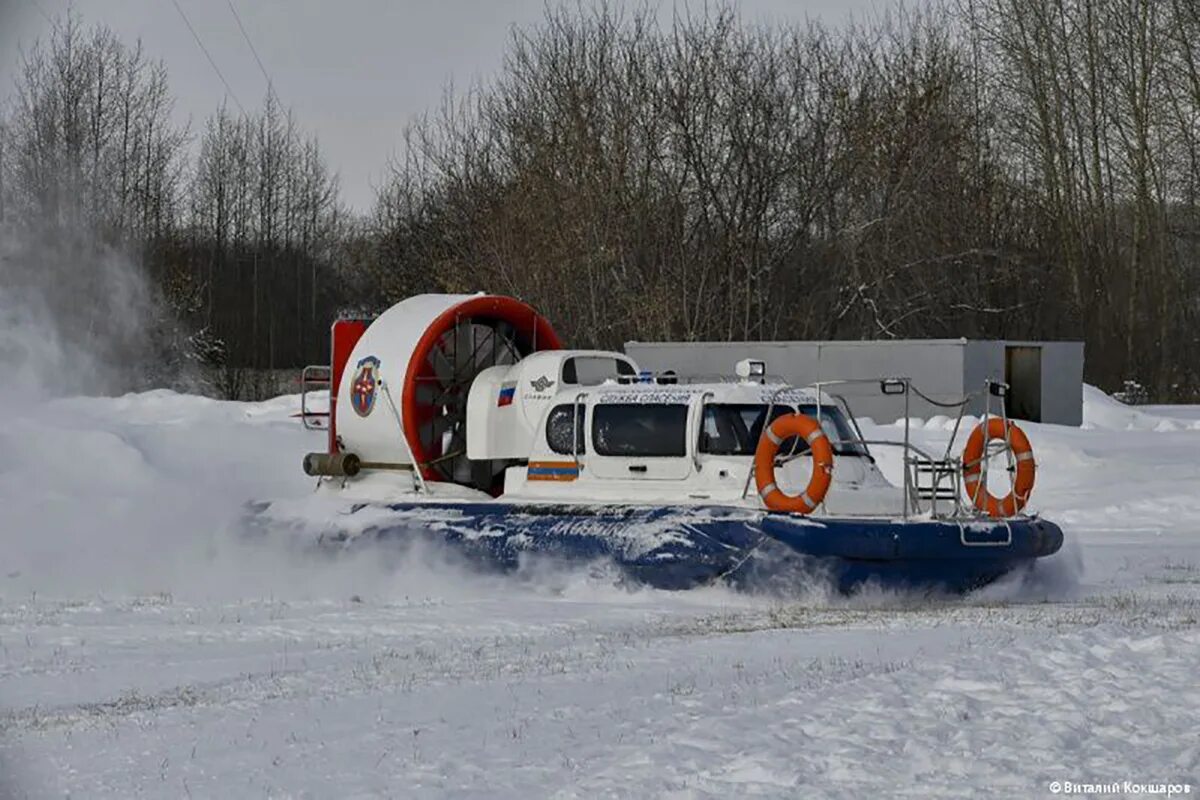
(461, 419)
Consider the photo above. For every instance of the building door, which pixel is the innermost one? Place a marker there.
(1023, 374)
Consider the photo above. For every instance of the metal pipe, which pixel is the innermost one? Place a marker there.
(981, 485)
(404, 438)
(910, 446)
(575, 429)
(322, 465)
(766, 424)
(699, 427)
(907, 482)
(1008, 451)
(853, 421)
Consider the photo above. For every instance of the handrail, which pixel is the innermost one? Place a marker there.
(694, 440)
(575, 428)
(941, 469)
(853, 421)
(997, 389)
(766, 425)
(911, 488)
(305, 382)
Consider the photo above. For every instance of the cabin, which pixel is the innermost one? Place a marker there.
(649, 438)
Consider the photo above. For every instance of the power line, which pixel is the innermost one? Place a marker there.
(45, 16)
(253, 50)
(207, 55)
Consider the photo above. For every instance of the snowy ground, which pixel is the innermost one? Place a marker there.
(142, 653)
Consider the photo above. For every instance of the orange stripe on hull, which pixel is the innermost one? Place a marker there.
(552, 471)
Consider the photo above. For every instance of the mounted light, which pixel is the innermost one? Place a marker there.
(751, 369)
(893, 386)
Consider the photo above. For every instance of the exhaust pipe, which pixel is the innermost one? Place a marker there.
(332, 465)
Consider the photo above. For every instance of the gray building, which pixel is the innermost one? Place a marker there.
(1046, 378)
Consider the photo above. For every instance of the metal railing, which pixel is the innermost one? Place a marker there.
(313, 378)
(943, 475)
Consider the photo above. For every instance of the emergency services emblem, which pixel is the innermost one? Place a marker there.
(366, 383)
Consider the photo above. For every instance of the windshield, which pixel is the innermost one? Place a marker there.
(841, 434)
(733, 429)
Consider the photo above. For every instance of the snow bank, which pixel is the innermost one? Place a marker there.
(1103, 412)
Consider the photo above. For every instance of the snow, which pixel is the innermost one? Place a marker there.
(1104, 412)
(144, 651)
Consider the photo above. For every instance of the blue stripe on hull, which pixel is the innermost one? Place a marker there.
(683, 546)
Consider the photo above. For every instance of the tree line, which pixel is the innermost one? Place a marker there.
(205, 257)
(1021, 169)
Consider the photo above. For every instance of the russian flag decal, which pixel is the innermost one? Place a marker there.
(507, 391)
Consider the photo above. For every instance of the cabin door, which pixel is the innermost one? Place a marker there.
(1023, 374)
(639, 441)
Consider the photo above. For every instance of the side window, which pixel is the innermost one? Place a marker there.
(559, 427)
(637, 430)
(593, 370)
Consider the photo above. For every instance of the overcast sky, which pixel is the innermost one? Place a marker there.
(355, 71)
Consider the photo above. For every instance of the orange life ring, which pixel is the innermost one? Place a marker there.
(1015, 500)
(764, 464)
